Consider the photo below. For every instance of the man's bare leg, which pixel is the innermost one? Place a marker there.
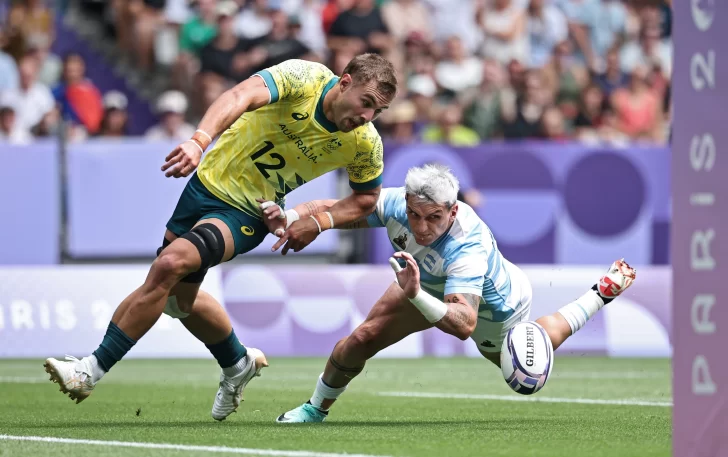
(391, 319)
(135, 315)
(571, 318)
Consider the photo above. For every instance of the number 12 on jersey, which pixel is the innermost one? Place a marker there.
(264, 167)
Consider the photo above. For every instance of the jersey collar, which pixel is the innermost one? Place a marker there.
(319, 114)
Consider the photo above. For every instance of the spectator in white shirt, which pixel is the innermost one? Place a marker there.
(10, 131)
(33, 100)
(171, 107)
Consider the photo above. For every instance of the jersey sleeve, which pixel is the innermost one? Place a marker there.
(466, 271)
(365, 171)
(389, 200)
(294, 79)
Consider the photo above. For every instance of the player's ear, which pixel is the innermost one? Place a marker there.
(345, 82)
(453, 212)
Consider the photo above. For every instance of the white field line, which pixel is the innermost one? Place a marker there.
(536, 399)
(181, 447)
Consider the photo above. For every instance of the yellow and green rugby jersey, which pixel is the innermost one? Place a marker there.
(271, 151)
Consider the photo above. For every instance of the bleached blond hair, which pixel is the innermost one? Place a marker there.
(433, 182)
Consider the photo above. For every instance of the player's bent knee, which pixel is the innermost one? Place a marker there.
(172, 264)
(173, 310)
(364, 340)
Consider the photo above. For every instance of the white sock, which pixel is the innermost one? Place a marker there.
(578, 312)
(96, 371)
(324, 392)
(237, 368)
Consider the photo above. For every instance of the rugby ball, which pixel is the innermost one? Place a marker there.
(527, 357)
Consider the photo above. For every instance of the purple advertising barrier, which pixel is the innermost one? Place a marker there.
(556, 203)
(31, 210)
(291, 311)
(119, 201)
(699, 247)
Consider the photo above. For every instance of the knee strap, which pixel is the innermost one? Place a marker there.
(172, 310)
(209, 242)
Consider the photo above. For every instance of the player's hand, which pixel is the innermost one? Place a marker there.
(299, 235)
(273, 216)
(182, 160)
(409, 277)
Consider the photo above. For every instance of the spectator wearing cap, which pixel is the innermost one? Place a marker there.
(32, 100)
(116, 118)
(10, 131)
(9, 78)
(78, 97)
(422, 90)
(171, 108)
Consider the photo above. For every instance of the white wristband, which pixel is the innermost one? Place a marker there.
(202, 151)
(205, 133)
(291, 217)
(317, 223)
(430, 307)
(331, 218)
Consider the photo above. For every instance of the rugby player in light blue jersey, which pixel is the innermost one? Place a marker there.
(450, 274)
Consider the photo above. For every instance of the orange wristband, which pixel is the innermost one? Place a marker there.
(202, 138)
(324, 220)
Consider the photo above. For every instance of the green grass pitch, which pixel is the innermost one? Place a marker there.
(169, 401)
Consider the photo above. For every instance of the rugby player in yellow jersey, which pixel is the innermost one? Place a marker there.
(279, 129)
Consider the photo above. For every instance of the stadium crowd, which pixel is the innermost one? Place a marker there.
(470, 70)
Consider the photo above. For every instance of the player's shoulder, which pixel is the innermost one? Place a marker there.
(304, 70)
(367, 138)
(468, 234)
(391, 203)
(295, 79)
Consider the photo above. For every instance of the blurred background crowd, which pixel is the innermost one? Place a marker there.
(596, 71)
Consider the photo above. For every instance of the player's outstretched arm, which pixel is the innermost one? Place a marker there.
(277, 220)
(249, 95)
(301, 233)
(458, 315)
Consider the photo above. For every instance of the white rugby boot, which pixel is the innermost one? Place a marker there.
(230, 393)
(618, 279)
(73, 375)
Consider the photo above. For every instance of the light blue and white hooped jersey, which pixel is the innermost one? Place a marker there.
(466, 259)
